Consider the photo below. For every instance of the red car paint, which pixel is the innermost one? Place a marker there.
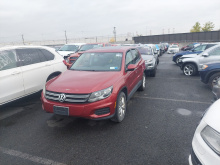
(86, 82)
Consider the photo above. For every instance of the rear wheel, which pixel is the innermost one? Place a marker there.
(213, 79)
(143, 84)
(121, 106)
(189, 69)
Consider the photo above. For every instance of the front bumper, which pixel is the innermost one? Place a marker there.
(149, 66)
(102, 109)
(201, 153)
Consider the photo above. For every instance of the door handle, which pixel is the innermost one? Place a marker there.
(16, 72)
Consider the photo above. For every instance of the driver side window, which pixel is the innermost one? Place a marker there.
(215, 52)
(128, 58)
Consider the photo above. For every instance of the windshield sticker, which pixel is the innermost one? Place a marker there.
(118, 55)
(113, 67)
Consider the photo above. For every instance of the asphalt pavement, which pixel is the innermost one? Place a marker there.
(157, 130)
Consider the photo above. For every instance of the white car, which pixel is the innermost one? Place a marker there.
(206, 140)
(173, 49)
(68, 49)
(25, 69)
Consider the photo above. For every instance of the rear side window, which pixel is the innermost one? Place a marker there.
(8, 60)
(28, 56)
(49, 56)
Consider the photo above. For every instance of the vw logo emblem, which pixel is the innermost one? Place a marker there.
(62, 97)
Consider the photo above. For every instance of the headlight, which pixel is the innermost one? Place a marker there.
(205, 66)
(148, 61)
(99, 95)
(212, 138)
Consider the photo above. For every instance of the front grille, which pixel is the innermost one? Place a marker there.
(102, 111)
(67, 97)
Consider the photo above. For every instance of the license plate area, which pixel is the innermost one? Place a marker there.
(61, 110)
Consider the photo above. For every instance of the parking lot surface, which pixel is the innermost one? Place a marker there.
(158, 127)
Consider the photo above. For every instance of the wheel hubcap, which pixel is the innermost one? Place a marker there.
(214, 81)
(122, 107)
(188, 70)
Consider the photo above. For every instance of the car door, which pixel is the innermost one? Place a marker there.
(213, 56)
(130, 75)
(137, 62)
(11, 80)
(36, 69)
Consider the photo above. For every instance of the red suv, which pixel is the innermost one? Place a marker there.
(98, 85)
(73, 57)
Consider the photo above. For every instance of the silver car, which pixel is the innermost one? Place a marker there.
(193, 63)
(151, 60)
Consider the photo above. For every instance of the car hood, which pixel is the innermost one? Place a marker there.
(81, 82)
(212, 116)
(65, 53)
(189, 56)
(147, 57)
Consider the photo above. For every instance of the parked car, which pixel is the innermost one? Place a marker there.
(158, 49)
(206, 140)
(153, 47)
(98, 85)
(25, 69)
(210, 73)
(193, 63)
(72, 58)
(173, 49)
(196, 50)
(190, 46)
(162, 49)
(216, 89)
(67, 49)
(151, 60)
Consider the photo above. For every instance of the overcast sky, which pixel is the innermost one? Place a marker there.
(48, 19)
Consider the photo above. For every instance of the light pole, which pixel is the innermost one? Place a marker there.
(114, 32)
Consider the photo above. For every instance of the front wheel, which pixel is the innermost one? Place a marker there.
(189, 70)
(120, 110)
(177, 60)
(213, 79)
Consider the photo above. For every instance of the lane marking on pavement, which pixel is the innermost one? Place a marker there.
(29, 157)
(177, 78)
(8, 114)
(187, 101)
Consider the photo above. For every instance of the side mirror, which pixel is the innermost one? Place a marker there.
(131, 67)
(205, 54)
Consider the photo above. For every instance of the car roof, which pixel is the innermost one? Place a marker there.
(24, 46)
(112, 49)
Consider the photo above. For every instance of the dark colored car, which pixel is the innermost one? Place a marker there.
(196, 50)
(98, 85)
(190, 46)
(210, 73)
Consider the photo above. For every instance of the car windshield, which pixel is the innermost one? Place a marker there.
(145, 50)
(90, 46)
(69, 48)
(102, 61)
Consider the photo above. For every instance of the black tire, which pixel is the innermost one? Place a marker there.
(51, 77)
(143, 83)
(189, 69)
(213, 79)
(153, 72)
(121, 106)
(158, 61)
